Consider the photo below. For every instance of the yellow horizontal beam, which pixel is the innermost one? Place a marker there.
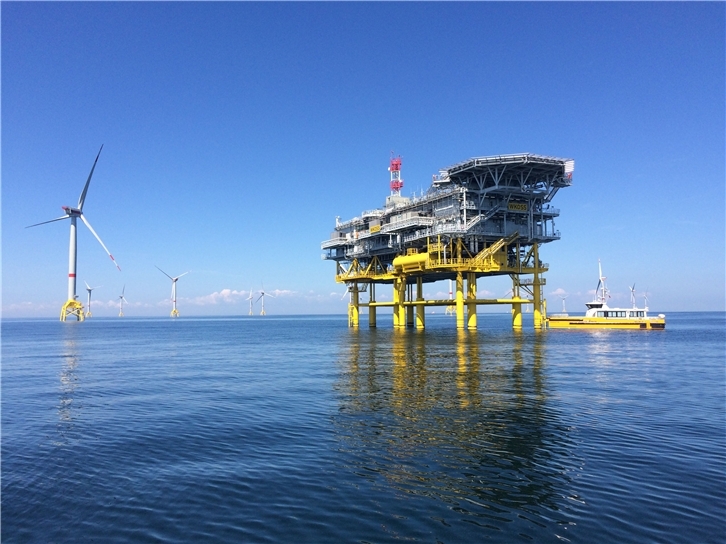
(449, 302)
(389, 277)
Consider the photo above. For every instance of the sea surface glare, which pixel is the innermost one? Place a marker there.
(299, 429)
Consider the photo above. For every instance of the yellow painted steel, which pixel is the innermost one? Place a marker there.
(371, 307)
(175, 313)
(409, 309)
(537, 291)
(470, 305)
(402, 300)
(420, 308)
(516, 316)
(448, 259)
(72, 308)
(396, 301)
(459, 300)
(354, 307)
(581, 322)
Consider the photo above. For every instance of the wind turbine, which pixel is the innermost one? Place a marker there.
(601, 282)
(72, 306)
(632, 295)
(250, 298)
(174, 311)
(563, 297)
(122, 299)
(88, 306)
(450, 309)
(262, 296)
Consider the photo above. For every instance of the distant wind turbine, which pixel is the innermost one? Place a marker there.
(262, 297)
(88, 305)
(122, 299)
(72, 307)
(174, 311)
(632, 296)
(251, 299)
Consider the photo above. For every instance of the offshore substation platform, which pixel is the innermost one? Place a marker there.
(486, 216)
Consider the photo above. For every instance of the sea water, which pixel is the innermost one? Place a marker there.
(299, 429)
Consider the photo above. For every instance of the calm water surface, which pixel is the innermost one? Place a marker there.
(299, 429)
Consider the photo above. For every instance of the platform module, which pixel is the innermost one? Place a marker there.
(486, 216)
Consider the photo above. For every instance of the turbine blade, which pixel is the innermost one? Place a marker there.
(167, 275)
(184, 274)
(82, 198)
(44, 222)
(87, 286)
(269, 295)
(83, 218)
(258, 299)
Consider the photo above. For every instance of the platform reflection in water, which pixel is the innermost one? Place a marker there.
(459, 417)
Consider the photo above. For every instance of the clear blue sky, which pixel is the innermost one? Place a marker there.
(234, 133)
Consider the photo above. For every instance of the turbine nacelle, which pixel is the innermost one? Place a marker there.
(72, 211)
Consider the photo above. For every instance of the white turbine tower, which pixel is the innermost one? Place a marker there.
(451, 309)
(88, 305)
(262, 297)
(250, 298)
(122, 299)
(72, 306)
(174, 311)
(563, 297)
(632, 296)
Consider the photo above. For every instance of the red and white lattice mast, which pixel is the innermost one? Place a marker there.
(395, 170)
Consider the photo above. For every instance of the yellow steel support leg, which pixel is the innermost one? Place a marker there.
(396, 301)
(420, 310)
(537, 291)
(459, 300)
(372, 309)
(72, 308)
(516, 316)
(470, 305)
(516, 307)
(409, 309)
(354, 307)
(402, 299)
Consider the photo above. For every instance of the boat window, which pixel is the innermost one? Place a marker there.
(601, 314)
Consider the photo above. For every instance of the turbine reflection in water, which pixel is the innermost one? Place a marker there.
(459, 417)
(67, 410)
